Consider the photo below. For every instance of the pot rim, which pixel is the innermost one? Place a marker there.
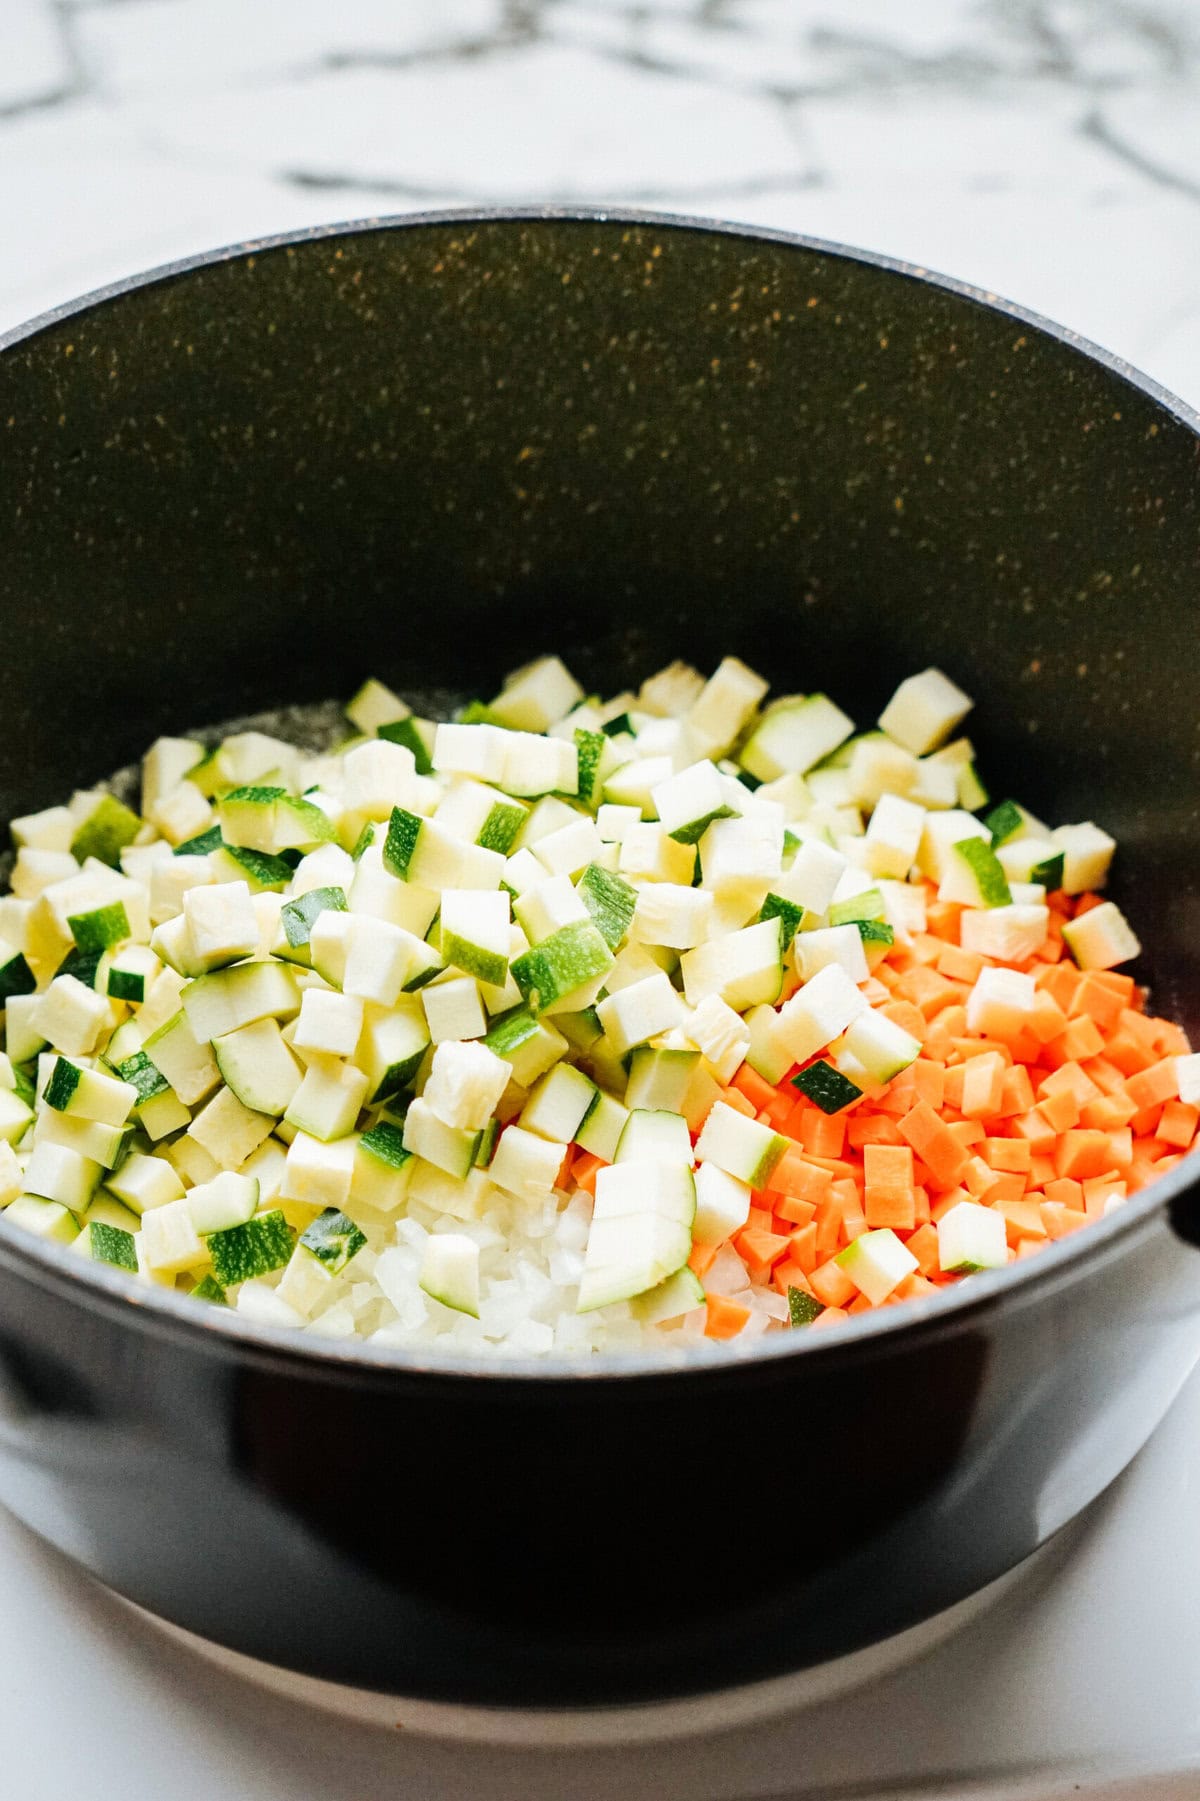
(1055, 1266)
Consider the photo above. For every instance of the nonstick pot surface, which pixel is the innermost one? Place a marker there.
(429, 450)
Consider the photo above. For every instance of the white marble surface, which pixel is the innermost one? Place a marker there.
(1047, 149)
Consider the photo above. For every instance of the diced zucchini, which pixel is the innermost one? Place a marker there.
(220, 1003)
(228, 1200)
(450, 1271)
(793, 735)
(449, 1148)
(558, 1104)
(740, 1146)
(333, 1239)
(46, 1219)
(600, 1130)
(551, 972)
(723, 1204)
(107, 826)
(827, 1087)
(185, 1062)
(654, 1137)
(240, 1253)
(679, 1294)
(876, 1263)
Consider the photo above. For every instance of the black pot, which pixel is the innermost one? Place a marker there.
(427, 449)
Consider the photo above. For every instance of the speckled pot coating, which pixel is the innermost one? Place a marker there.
(426, 449)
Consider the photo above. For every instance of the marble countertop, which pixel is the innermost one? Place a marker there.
(1046, 149)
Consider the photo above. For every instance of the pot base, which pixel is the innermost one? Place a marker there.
(692, 1715)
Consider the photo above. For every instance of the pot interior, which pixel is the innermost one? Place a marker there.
(432, 450)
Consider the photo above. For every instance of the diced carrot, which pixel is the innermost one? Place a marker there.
(777, 1110)
(941, 1204)
(788, 1274)
(1016, 1092)
(1061, 982)
(922, 984)
(1085, 902)
(925, 946)
(959, 965)
(952, 1086)
(887, 1165)
(1105, 1075)
(584, 1169)
(1120, 1146)
(804, 1247)
(902, 1087)
(832, 1316)
(934, 1143)
(1151, 1087)
(756, 1246)
(1139, 1027)
(924, 1246)
(1060, 1111)
(1070, 1078)
(826, 1135)
(1023, 1219)
(854, 1223)
(795, 1176)
(733, 1097)
(909, 1018)
(872, 1128)
(724, 1317)
(1025, 1048)
(1047, 1020)
(1009, 1153)
(792, 1211)
(929, 1081)
(1010, 1185)
(912, 1288)
(979, 1179)
(831, 1284)
(792, 1124)
(701, 1259)
(1082, 1153)
(1116, 982)
(983, 1086)
(1099, 1000)
(749, 1083)
(1067, 1191)
(1172, 1040)
(1097, 1191)
(1109, 1112)
(895, 1207)
(943, 1031)
(1177, 1124)
(1036, 1128)
(1127, 1053)
(1144, 1123)
(828, 1229)
(1081, 1039)
(1059, 1220)
(942, 919)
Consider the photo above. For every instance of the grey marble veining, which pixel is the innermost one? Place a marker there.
(1048, 149)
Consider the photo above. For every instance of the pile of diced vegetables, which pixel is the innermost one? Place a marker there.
(574, 1024)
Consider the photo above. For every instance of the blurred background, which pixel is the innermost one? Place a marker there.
(1046, 149)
